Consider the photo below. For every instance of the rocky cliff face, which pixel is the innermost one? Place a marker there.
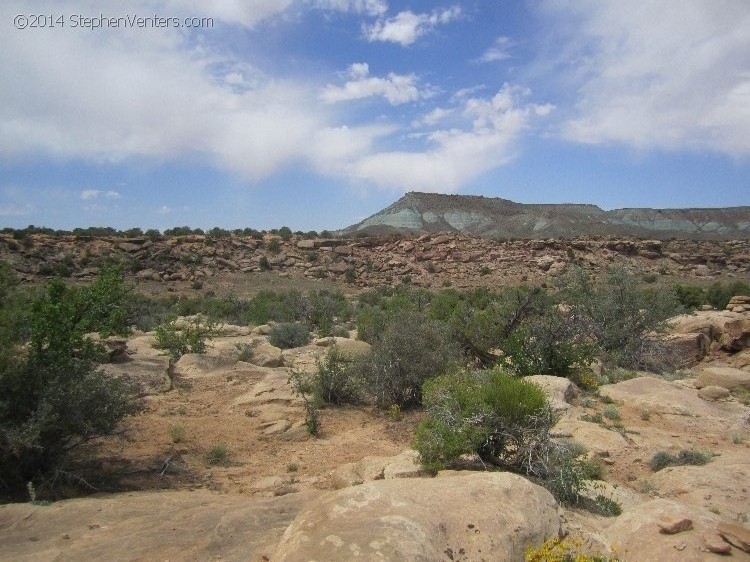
(500, 218)
(428, 260)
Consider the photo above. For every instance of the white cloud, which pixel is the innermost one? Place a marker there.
(106, 97)
(406, 27)
(368, 7)
(397, 89)
(670, 74)
(454, 156)
(163, 210)
(89, 194)
(500, 50)
(432, 118)
(113, 97)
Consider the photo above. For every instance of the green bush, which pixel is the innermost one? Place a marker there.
(52, 396)
(547, 345)
(334, 381)
(618, 315)
(411, 350)
(274, 246)
(490, 413)
(190, 339)
(289, 335)
(218, 453)
(718, 294)
(689, 296)
(504, 420)
(663, 459)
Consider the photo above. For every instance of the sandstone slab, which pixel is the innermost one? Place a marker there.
(141, 526)
(726, 377)
(636, 535)
(490, 516)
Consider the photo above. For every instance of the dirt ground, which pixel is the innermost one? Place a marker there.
(199, 414)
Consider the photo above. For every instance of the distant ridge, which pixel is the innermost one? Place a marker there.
(493, 217)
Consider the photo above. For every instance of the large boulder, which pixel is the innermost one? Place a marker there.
(721, 485)
(352, 347)
(266, 355)
(683, 350)
(737, 334)
(637, 534)
(730, 329)
(146, 366)
(671, 398)
(726, 377)
(461, 516)
(559, 390)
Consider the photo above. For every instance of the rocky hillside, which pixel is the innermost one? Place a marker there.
(500, 218)
(427, 260)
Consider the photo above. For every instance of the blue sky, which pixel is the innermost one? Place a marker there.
(317, 113)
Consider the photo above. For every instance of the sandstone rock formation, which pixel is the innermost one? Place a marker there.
(460, 516)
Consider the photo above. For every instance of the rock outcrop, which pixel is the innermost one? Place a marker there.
(456, 516)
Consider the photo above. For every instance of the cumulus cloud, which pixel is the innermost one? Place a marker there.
(457, 155)
(109, 97)
(500, 50)
(406, 27)
(397, 89)
(670, 75)
(105, 97)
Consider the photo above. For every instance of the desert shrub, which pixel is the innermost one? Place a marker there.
(411, 350)
(245, 350)
(274, 246)
(481, 412)
(718, 294)
(320, 309)
(334, 380)
(606, 506)
(190, 339)
(218, 453)
(663, 459)
(177, 433)
(618, 315)
(303, 385)
(547, 345)
(611, 412)
(264, 264)
(689, 296)
(274, 306)
(340, 332)
(565, 549)
(371, 323)
(504, 420)
(289, 335)
(53, 398)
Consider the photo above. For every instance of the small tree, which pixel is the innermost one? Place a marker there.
(52, 396)
(618, 315)
(411, 350)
